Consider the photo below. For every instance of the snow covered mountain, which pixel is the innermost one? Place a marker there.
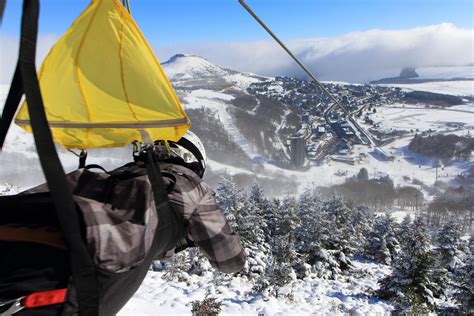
(194, 72)
(238, 128)
(185, 66)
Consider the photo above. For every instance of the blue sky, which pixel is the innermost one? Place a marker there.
(171, 22)
(348, 40)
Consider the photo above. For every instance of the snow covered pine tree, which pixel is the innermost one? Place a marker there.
(411, 286)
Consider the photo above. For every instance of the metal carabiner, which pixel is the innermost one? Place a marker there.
(15, 306)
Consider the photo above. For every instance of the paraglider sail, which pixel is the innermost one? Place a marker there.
(102, 86)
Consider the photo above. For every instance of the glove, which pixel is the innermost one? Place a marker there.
(183, 244)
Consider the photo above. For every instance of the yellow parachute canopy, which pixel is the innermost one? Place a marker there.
(102, 86)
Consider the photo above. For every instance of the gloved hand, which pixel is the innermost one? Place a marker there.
(183, 244)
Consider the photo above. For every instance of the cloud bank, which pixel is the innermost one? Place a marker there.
(9, 46)
(353, 57)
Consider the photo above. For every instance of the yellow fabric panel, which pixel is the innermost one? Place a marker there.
(102, 86)
(110, 137)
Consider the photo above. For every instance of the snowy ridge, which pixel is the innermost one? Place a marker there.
(185, 66)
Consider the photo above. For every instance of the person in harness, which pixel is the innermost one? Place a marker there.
(193, 200)
(119, 227)
(83, 243)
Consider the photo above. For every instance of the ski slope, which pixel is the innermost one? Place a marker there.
(217, 101)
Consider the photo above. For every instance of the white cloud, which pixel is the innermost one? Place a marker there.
(355, 57)
(9, 53)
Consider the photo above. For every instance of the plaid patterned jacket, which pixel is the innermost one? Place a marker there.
(120, 217)
(205, 224)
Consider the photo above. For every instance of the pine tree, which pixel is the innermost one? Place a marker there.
(253, 230)
(403, 231)
(280, 272)
(256, 216)
(449, 243)
(341, 227)
(411, 284)
(363, 174)
(382, 243)
(262, 207)
(324, 235)
(362, 219)
(464, 282)
(308, 211)
(230, 200)
(283, 236)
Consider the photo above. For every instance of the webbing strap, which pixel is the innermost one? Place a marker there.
(11, 104)
(156, 178)
(170, 227)
(46, 298)
(82, 267)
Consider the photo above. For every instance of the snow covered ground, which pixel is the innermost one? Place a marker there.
(411, 117)
(459, 88)
(157, 296)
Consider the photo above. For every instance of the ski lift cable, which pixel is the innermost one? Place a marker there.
(3, 3)
(333, 99)
(126, 4)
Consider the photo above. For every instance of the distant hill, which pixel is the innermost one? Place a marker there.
(409, 75)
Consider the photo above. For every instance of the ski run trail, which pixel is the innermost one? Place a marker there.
(216, 101)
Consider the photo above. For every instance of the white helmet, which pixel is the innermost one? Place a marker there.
(191, 149)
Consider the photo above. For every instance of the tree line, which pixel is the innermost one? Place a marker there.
(379, 193)
(442, 146)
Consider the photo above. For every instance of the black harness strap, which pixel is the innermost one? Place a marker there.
(11, 104)
(170, 228)
(83, 269)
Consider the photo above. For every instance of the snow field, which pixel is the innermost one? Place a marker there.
(157, 296)
(458, 88)
(243, 81)
(412, 117)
